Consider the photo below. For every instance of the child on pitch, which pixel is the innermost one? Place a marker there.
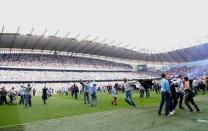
(93, 93)
(114, 95)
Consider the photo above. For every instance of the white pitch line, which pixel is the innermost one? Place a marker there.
(71, 117)
(202, 121)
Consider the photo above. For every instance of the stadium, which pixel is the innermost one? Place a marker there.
(64, 82)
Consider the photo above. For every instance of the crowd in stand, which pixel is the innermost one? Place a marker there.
(191, 71)
(59, 61)
(6, 75)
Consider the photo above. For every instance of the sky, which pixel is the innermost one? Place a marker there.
(156, 25)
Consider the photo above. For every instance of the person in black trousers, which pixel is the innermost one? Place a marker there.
(180, 91)
(0, 96)
(173, 99)
(45, 95)
(189, 96)
(76, 91)
(3, 96)
(165, 95)
(28, 96)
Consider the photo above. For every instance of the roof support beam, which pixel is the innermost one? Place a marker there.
(68, 44)
(103, 51)
(84, 47)
(159, 58)
(169, 53)
(147, 56)
(164, 56)
(54, 47)
(138, 52)
(37, 42)
(2, 31)
(152, 55)
(30, 34)
(78, 45)
(13, 40)
(85, 51)
(129, 53)
(118, 52)
(101, 44)
(75, 45)
(95, 39)
(115, 47)
(200, 52)
(85, 38)
(182, 56)
(50, 40)
(179, 53)
(86, 43)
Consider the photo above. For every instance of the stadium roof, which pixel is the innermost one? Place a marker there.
(58, 45)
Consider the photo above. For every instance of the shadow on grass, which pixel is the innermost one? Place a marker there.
(13, 128)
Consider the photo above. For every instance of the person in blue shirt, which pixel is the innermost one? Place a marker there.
(22, 94)
(165, 95)
(93, 92)
(86, 87)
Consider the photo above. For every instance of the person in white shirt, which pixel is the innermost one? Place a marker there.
(128, 92)
(180, 91)
(12, 94)
(114, 95)
(195, 85)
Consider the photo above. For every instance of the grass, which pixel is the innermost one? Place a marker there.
(109, 117)
(62, 106)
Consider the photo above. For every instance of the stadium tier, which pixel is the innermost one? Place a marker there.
(60, 62)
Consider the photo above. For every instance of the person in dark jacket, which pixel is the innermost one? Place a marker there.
(3, 96)
(45, 94)
(173, 99)
(76, 91)
(28, 96)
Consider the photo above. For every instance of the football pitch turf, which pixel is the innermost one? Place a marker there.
(66, 114)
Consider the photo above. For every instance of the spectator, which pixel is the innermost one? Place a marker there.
(114, 95)
(165, 95)
(86, 91)
(128, 92)
(44, 95)
(189, 95)
(93, 93)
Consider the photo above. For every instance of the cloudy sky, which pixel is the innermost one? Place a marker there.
(158, 25)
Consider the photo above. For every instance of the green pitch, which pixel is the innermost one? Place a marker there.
(64, 113)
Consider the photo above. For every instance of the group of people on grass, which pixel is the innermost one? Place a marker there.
(92, 91)
(25, 95)
(172, 90)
